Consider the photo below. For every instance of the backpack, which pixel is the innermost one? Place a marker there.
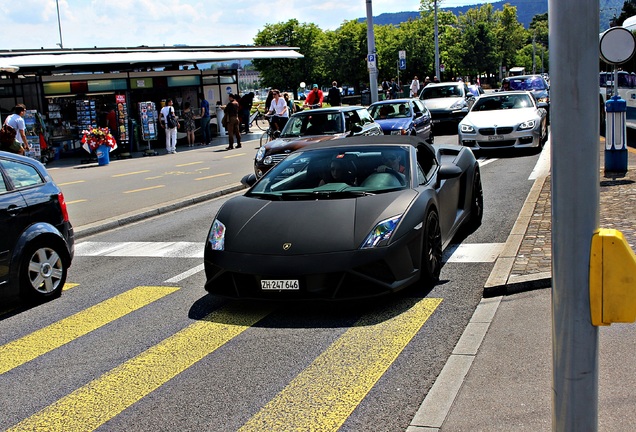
(171, 121)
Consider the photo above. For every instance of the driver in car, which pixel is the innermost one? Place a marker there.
(391, 161)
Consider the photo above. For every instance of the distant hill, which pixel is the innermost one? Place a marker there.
(526, 10)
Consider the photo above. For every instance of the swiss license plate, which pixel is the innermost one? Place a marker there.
(496, 138)
(280, 284)
(437, 121)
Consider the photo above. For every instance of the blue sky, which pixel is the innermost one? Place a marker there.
(128, 23)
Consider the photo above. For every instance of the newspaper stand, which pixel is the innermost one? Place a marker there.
(148, 119)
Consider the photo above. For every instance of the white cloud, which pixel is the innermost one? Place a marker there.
(127, 23)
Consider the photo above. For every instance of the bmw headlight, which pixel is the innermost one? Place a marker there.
(216, 237)
(466, 128)
(526, 125)
(399, 132)
(260, 154)
(380, 235)
(458, 105)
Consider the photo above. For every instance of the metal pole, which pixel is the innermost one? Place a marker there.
(373, 74)
(59, 23)
(574, 69)
(436, 46)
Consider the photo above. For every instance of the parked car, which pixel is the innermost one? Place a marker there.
(355, 217)
(504, 120)
(309, 126)
(403, 117)
(536, 84)
(448, 102)
(37, 244)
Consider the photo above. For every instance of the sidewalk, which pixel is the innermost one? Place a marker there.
(499, 376)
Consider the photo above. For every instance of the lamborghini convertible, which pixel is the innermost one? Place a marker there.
(352, 218)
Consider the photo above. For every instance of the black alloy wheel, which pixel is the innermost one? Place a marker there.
(476, 203)
(431, 250)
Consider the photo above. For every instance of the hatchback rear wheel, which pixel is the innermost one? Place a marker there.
(42, 272)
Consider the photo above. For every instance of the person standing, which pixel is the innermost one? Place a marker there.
(415, 87)
(427, 81)
(168, 119)
(188, 123)
(245, 108)
(280, 111)
(231, 113)
(334, 95)
(291, 107)
(16, 121)
(393, 89)
(205, 120)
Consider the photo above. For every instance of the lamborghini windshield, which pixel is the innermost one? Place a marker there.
(333, 173)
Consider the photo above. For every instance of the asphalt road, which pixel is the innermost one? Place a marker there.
(136, 344)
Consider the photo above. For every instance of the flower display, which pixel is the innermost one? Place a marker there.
(96, 137)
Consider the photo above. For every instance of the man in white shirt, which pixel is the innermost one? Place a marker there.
(415, 87)
(171, 133)
(16, 121)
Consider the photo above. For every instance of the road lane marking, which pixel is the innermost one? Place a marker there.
(485, 161)
(71, 183)
(202, 169)
(186, 274)
(153, 178)
(76, 201)
(141, 249)
(189, 163)
(324, 395)
(473, 252)
(92, 405)
(213, 176)
(130, 173)
(144, 189)
(67, 286)
(31, 346)
(234, 155)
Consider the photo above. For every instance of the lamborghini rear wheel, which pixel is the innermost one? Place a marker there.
(432, 250)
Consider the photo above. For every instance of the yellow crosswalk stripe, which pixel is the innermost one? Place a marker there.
(90, 406)
(325, 394)
(31, 346)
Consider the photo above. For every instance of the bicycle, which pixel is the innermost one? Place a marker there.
(268, 135)
(257, 118)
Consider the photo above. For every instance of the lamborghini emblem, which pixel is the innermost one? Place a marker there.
(286, 246)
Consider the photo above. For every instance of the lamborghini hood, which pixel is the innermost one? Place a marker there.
(267, 227)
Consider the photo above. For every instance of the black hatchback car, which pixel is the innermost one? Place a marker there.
(37, 242)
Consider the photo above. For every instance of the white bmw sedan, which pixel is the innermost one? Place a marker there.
(500, 120)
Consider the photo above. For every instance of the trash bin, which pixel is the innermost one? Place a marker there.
(102, 153)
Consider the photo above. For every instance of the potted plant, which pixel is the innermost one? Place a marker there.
(99, 141)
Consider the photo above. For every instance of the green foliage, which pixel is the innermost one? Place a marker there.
(477, 42)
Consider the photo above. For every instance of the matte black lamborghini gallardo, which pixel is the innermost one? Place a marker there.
(357, 217)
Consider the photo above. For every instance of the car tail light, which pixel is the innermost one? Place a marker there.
(60, 199)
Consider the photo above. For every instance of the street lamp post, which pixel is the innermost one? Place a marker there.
(437, 72)
(59, 23)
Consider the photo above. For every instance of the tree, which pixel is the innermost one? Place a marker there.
(629, 10)
(344, 54)
(286, 74)
(479, 40)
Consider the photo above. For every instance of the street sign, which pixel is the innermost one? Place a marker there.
(402, 64)
(441, 68)
(402, 55)
(372, 62)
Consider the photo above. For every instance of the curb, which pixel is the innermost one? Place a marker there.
(129, 218)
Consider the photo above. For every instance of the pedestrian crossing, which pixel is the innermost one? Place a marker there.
(323, 395)
(457, 253)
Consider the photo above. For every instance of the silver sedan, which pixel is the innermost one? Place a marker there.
(504, 120)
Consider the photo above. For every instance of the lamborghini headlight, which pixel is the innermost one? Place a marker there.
(380, 235)
(216, 237)
(526, 125)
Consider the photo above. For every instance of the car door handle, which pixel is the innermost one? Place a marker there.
(14, 209)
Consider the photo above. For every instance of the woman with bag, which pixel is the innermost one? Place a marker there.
(170, 123)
